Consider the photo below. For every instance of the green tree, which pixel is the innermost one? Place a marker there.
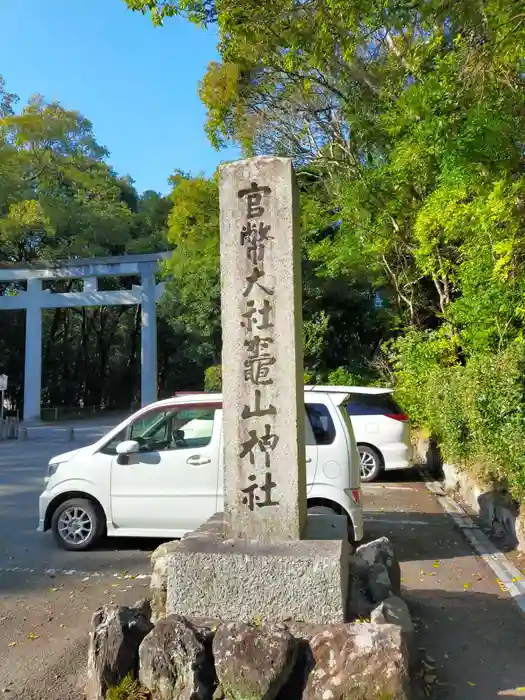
(60, 199)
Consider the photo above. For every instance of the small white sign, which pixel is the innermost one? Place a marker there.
(3, 382)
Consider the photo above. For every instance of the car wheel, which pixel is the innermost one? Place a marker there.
(326, 510)
(77, 524)
(321, 510)
(370, 463)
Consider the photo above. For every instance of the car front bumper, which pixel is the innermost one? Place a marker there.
(43, 504)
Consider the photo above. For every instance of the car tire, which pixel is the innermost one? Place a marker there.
(369, 463)
(78, 524)
(326, 510)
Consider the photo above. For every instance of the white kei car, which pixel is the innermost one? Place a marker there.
(160, 472)
(381, 429)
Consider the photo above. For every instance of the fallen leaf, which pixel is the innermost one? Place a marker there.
(473, 685)
(12, 644)
(32, 635)
(466, 586)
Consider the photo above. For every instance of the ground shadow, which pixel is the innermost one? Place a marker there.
(474, 644)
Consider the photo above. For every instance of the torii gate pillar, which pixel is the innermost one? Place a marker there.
(148, 357)
(33, 354)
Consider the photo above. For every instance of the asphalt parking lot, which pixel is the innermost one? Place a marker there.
(469, 631)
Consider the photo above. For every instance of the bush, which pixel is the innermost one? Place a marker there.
(475, 409)
(342, 377)
(213, 378)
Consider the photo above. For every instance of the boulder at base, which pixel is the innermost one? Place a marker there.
(381, 551)
(252, 663)
(114, 639)
(362, 661)
(393, 611)
(175, 663)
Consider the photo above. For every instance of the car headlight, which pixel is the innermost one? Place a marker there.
(51, 469)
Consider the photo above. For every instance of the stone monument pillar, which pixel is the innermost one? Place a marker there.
(262, 360)
(253, 561)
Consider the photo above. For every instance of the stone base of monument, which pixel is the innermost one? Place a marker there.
(319, 580)
(205, 574)
(233, 621)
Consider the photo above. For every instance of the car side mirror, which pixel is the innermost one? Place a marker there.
(127, 447)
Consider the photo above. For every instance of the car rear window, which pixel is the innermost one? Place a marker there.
(321, 422)
(372, 405)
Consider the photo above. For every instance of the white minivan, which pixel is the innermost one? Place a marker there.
(381, 429)
(160, 472)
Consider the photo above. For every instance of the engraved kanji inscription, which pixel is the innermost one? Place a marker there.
(251, 500)
(257, 346)
(257, 370)
(252, 316)
(254, 197)
(254, 237)
(258, 410)
(253, 280)
(266, 444)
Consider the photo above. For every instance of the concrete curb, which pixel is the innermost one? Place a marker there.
(497, 514)
(507, 574)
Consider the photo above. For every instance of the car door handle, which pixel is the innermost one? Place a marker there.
(308, 459)
(196, 461)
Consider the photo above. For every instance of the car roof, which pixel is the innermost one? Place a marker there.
(350, 389)
(194, 397)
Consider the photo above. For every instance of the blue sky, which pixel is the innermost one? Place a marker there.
(136, 83)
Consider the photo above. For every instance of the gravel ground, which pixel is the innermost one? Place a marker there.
(470, 633)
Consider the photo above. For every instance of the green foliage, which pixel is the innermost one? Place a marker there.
(128, 689)
(60, 199)
(342, 377)
(406, 123)
(476, 409)
(213, 378)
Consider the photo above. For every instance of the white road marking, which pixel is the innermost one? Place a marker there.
(505, 571)
(391, 521)
(389, 487)
(73, 572)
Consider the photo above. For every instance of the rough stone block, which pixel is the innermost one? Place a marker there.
(393, 611)
(114, 638)
(252, 662)
(175, 661)
(381, 551)
(362, 661)
(242, 580)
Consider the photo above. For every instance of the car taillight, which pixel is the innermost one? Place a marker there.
(398, 416)
(356, 496)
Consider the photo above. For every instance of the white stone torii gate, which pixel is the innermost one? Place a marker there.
(89, 270)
